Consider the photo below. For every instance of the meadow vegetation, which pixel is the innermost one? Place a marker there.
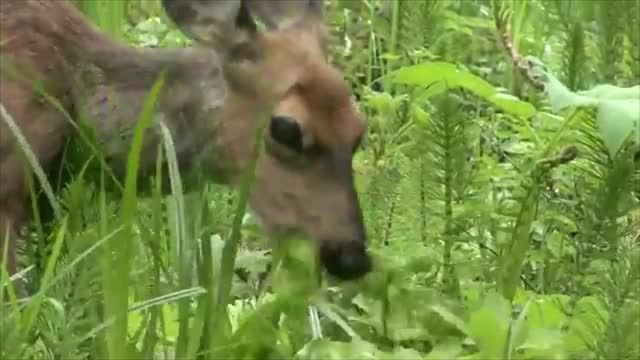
(500, 184)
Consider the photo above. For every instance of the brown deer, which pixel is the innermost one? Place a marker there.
(213, 96)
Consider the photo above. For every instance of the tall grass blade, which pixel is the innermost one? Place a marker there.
(117, 294)
(184, 247)
(231, 245)
(33, 161)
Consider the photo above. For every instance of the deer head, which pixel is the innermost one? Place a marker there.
(304, 178)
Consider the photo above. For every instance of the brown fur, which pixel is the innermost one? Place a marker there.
(211, 101)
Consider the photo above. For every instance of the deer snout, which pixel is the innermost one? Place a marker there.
(346, 260)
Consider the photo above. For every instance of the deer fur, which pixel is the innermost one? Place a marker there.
(211, 101)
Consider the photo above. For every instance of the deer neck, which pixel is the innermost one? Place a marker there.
(110, 90)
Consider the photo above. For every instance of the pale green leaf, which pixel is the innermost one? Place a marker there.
(618, 109)
(616, 120)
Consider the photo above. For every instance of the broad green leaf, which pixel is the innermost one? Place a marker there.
(445, 350)
(489, 326)
(401, 353)
(328, 350)
(437, 77)
(587, 325)
(357, 349)
(543, 343)
(547, 312)
(451, 318)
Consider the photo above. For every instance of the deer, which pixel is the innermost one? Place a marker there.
(247, 56)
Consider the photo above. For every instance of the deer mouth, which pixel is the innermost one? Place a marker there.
(345, 260)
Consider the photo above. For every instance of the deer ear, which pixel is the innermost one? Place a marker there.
(229, 26)
(225, 23)
(283, 13)
(215, 23)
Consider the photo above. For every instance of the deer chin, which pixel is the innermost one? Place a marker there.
(343, 261)
(273, 230)
(255, 217)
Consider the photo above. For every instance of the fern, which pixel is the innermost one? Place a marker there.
(610, 37)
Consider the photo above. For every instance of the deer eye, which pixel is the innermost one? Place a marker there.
(286, 131)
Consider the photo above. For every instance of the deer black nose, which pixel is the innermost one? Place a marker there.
(346, 260)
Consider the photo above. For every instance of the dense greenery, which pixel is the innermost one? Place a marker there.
(499, 180)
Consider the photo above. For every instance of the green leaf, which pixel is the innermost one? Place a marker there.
(546, 312)
(587, 325)
(451, 318)
(489, 326)
(329, 350)
(437, 77)
(356, 349)
(543, 343)
(445, 350)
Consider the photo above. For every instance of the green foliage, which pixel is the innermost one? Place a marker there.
(503, 220)
(441, 77)
(108, 15)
